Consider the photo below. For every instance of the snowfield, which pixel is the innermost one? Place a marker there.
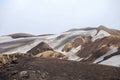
(100, 34)
(113, 61)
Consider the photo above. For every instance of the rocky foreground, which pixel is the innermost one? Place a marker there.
(31, 68)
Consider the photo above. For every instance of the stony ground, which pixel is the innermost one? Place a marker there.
(29, 68)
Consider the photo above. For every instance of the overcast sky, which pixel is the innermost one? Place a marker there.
(55, 16)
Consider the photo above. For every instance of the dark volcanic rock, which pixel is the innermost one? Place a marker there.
(29, 68)
(41, 47)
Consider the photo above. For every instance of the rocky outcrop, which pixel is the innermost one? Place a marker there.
(51, 54)
(41, 47)
(81, 41)
(68, 46)
(8, 58)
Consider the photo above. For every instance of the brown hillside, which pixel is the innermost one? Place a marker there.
(83, 40)
(98, 48)
(27, 68)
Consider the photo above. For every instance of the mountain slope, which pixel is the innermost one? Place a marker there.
(27, 68)
(90, 45)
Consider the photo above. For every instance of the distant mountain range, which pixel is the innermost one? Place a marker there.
(97, 46)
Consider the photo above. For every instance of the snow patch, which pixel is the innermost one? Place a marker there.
(101, 34)
(5, 39)
(113, 50)
(71, 54)
(113, 61)
(53, 42)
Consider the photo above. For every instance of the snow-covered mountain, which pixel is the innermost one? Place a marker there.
(91, 45)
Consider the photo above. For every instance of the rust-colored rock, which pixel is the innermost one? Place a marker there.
(83, 40)
(68, 47)
(50, 54)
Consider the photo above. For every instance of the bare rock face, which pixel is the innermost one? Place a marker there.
(81, 41)
(68, 47)
(41, 47)
(50, 54)
(4, 59)
(99, 48)
(8, 58)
